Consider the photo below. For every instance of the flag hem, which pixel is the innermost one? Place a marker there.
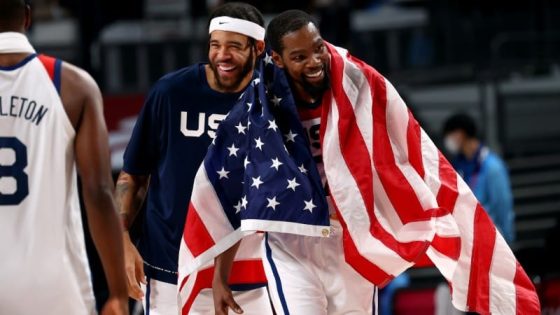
(285, 227)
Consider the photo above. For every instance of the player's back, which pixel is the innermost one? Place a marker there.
(44, 268)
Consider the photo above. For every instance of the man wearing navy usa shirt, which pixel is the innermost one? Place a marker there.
(170, 139)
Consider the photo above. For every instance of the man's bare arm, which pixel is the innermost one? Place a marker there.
(223, 298)
(83, 103)
(130, 194)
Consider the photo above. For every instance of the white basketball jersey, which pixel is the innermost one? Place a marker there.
(44, 267)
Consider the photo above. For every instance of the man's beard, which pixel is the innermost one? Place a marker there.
(245, 69)
(316, 90)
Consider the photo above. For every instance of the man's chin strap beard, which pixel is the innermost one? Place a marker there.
(245, 70)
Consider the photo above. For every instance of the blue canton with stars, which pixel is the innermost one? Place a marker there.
(260, 163)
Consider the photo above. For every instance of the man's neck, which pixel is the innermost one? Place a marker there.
(304, 95)
(470, 148)
(9, 60)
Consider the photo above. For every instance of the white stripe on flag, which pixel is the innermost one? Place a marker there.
(397, 131)
(430, 161)
(464, 216)
(357, 89)
(502, 272)
(186, 259)
(344, 188)
(208, 206)
(390, 221)
(445, 264)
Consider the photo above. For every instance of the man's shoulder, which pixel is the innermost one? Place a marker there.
(185, 78)
(77, 86)
(494, 163)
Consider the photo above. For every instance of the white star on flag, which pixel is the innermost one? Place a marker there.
(267, 59)
(302, 169)
(259, 143)
(246, 162)
(272, 203)
(291, 136)
(244, 202)
(292, 184)
(232, 150)
(276, 163)
(309, 205)
(223, 173)
(272, 125)
(256, 81)
(238, 207)
(240, 128)
(249, 106)
(276, 100)
(256, 182)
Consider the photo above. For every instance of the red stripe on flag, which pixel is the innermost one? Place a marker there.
(183, 282)
(414, 142)
(364, 267)
(484, 239)
(247, 272)
(449, 246)
(198, 286)
(357, 158)
(527, 301)
(423, 261)
(448, 193)
(353, 146)
(195, 234)
(242, 272)
(400, 192)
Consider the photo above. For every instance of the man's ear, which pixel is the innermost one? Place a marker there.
(277, 59)
(260, 47)
(27, 18)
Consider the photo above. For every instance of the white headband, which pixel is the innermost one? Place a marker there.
(229, 24)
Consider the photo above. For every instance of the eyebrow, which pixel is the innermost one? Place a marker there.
(229, 42)
(318, 41)
(295, 52)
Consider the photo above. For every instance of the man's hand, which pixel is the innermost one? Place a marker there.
(115, 306)
(223, 299)
(134, 268)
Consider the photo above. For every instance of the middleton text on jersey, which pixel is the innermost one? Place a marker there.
(21, 107)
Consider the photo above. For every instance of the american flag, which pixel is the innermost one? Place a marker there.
(258, 175)
(397, 197)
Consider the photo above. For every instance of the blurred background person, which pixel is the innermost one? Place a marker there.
(483, 170)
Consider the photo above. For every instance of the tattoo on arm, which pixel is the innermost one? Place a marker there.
(120, 191)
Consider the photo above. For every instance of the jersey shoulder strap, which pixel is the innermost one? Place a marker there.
(53, 67)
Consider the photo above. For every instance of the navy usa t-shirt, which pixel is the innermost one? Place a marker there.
(169, 142)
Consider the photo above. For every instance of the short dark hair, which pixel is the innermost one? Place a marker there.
(284, 23)
(11, 12)
(461, 122)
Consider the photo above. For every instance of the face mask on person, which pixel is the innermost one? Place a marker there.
(451, 145)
